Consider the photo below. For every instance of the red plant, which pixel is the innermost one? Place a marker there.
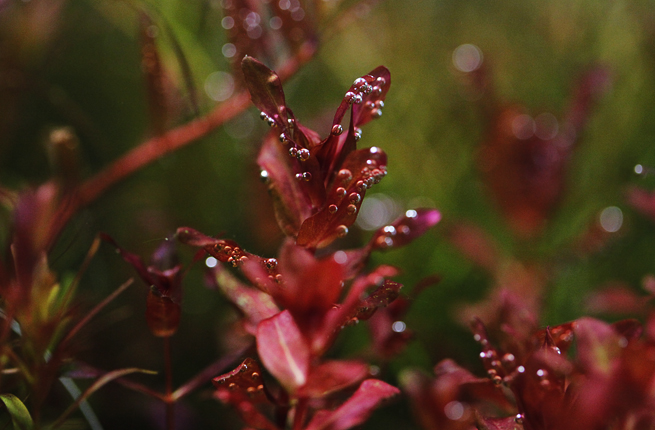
(299, 303)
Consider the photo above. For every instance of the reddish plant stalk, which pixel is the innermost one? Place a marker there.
(170, 400)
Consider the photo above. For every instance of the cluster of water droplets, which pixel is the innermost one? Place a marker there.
(361, 88)
(229, 253)
(371, 174)
(389, 233)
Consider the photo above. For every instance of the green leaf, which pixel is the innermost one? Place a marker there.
(20, 416)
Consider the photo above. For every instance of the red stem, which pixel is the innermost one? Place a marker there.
(170, 401)
(299, 414)
(156, 147)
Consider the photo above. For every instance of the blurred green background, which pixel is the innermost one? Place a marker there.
(77, 64)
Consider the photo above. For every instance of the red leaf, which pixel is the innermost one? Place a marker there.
(255, 305)
(404, 230)
(354, 308)
(266, 92)
(311, 286)
(283, 351)
(485, 423)
(193, 237)
(162, 314)
(361, 170)
(370, 395)
(246, 409)
(245, 379)
(366, 96)
(291, 203)
(333, 376)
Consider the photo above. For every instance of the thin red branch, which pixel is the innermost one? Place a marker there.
(170, 400)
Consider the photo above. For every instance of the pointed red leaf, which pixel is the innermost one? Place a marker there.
(365, 96)
(255, 305)
(361, 170)
(283, 351)
(333, 376)
(404, 230)
(292, 205)
(370, 395)
(245, 379)
(192, 237)
(266, 91)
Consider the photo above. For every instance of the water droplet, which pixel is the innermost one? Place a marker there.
(611, 219)
(303, 154)
(361, 186)
(391, 231)
(350, 97)
(384, 242)
(639, 169)
(211, 262)
(518, 419)
(263, 116)
(376, 113)
(290, 121)
(345, 175)
(398, 326)
(354, 198)
(467, 58)
(306, 176)
(271, 263)
(370, 105)
(477, 337)
(299, 176)
(283, 138)
(263, 175)
(293, 152)
(351, 209)
(341, 192)
(340, 257)
(342, 231)
(508, 358)
(333, 209)
(411, 213)
(358, 133)
(359, 82)
(381, 81)
(520, 369)
(337, 129)
(454, 410)
(403, 229)
(497, 380)
(379, 104)
(542, 373)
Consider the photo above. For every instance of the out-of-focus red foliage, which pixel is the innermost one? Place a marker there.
(524, 160)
